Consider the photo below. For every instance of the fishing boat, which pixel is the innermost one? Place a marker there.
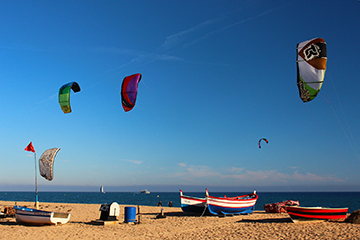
(29, 216)
(102, 189)
(298, 213)
(192, 204)
(145, 191)
(244, 204)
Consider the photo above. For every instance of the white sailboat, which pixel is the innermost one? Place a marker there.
(102, 189)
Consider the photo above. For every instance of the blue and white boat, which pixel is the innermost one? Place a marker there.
(192, 204)
(29, 216)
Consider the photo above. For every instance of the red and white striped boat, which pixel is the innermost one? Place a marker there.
(192, 204)
(298, 213)
(244, 204)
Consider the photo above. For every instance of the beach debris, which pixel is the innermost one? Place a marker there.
(108, 215)
(109, 212)
(354, 217)
(161, 214)
(8, 212)
(279, 207)
(139, 215)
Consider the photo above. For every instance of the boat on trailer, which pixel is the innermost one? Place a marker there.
(192, 204)
(298, 213)
(243, 204)
(30, 216)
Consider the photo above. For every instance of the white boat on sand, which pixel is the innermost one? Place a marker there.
(29, 216)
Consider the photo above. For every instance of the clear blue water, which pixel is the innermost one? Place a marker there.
(306, 199)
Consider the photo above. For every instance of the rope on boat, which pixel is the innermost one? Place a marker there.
(204, 210)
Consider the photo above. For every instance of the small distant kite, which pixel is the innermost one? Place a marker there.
(129, 90)
(311, 66)
(264, 140)
(46, 163)
(64, 95)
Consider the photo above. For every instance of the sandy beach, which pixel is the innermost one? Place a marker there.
(176, 225)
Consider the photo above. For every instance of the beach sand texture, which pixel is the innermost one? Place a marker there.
(176, 225)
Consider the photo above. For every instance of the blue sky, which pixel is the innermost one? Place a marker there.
(216, 77)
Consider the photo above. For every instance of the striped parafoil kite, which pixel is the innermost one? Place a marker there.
(64, 95)
(129, 91)
(311, 66)
(264, 140)
(46, 163)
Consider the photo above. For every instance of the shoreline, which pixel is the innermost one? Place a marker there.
(176, 225)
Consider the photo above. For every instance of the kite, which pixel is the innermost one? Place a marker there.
(46, 163)
(64, 95)
(264, 140)
(129, 91)
(311, 66)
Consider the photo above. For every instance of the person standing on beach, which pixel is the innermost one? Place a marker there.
(159, 203)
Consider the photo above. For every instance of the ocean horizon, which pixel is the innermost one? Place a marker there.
(306, 199)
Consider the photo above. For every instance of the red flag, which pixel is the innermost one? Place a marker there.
(30, 148)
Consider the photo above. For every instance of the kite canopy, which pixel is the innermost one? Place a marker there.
(64, 95)
(311, 67)
(129, 91)
(264, 140)
(46, 163)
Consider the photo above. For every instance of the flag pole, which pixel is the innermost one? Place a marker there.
(30, 148)
(36, 193)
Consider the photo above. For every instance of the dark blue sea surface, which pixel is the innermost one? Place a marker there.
(306, 199)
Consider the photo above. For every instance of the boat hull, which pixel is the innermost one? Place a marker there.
(232, 206)
(298, 213)
(29, 216)
(192, 204)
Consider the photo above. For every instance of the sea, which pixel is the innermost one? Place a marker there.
(306, 199)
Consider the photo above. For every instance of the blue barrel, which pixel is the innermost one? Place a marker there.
(130, 214)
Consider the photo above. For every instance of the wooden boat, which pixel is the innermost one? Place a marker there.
(192, 204)
(298, 213)
(231, 205)
(29, 216)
